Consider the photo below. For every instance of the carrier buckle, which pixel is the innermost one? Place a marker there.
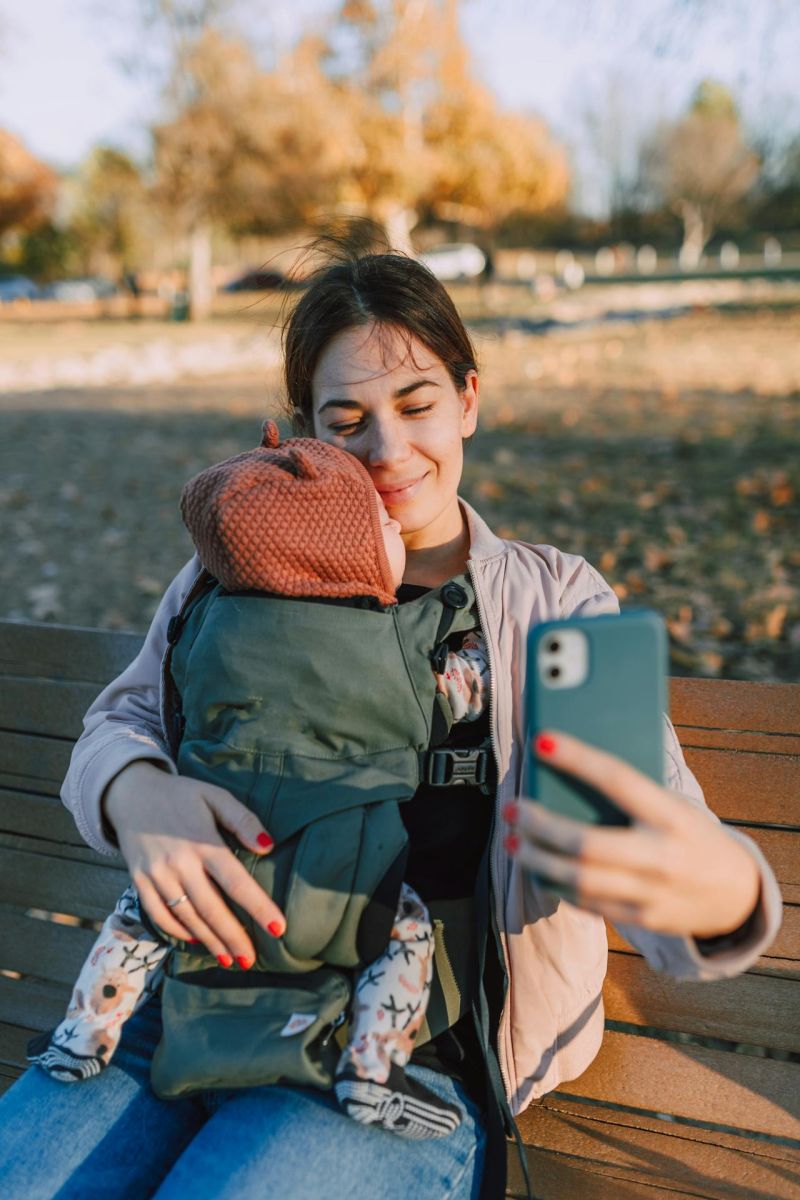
(455, 768)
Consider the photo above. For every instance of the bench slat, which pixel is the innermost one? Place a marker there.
(782, 850)
(637, 1149)
(47, 949)
(748, 787)
(13, 1043)
(736, 705)
(733, 740)
(33, 814)
(753, 1009)
(82, 889)
(54, 708)
(33, 764)
(65, 651)
(785, 947)
(556, 1177)
(32, 1004)
(758, 1094)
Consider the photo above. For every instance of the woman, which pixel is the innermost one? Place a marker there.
(378, 362)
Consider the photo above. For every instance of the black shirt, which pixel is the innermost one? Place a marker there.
(448, 830)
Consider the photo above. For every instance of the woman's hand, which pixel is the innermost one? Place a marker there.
(675, 870)
(166, 826)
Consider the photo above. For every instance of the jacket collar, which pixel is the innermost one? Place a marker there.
(483, 543)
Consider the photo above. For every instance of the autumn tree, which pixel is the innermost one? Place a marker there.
(702, 167)
(27, 186)
(487, 164)
(246, 149)
(430, 136)
(109, 219)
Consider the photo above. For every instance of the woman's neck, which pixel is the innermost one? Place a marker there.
(432, 565)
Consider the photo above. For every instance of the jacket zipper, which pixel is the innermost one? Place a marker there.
(495, 751)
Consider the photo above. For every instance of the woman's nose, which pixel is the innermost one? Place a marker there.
(387, 444)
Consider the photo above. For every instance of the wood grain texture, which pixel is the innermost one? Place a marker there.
(45, 949)
(37, 815)
(734, 705)
(758, 1094)
(746, 787)
(32, 763)
(753, 1009)
(50, 707)
(65, 652)
(32, 1004)
(785, 947)
(570, 1146)
(82, 889)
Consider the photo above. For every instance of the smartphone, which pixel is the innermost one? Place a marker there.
(603, 680)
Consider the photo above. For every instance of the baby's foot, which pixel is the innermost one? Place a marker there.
(61, 1063)
(400, 1105)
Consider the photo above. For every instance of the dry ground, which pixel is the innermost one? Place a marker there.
(667, 452)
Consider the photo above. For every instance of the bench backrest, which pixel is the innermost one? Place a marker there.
(695, 1091)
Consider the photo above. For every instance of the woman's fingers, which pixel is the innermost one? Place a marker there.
(239, 884)
(639, 796)
(157, 910)
(589, 884)
(238, 819)
(632, 847)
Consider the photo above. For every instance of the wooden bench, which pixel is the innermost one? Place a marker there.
(661, 1113)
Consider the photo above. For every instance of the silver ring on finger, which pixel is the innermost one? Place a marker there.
(175, 903)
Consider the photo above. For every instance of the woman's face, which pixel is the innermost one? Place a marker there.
(396, 408)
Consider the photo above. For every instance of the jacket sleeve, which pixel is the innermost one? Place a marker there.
(586, 594)
(124, 723)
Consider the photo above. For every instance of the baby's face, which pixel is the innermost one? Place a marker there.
(395, 548)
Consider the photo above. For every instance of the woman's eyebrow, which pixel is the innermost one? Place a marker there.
(342, 402)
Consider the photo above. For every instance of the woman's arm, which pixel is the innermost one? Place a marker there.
(711, 879)
(123, 725)
(123, 790)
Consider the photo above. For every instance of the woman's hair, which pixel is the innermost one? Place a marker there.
(358, 284)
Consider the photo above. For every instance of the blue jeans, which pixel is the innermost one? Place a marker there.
(111, 1136)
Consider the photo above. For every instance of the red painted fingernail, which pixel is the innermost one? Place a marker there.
(193, 941)
(275, 928)
(510, 813)
(511, 843)
(225, 960)
(265, 840)
(245, 963)
(544, 744)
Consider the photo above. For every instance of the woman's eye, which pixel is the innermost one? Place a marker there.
(345, 428)
(421, 408)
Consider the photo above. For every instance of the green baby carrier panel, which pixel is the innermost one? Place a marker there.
(244, 1030)
(278, 706)
(278, 700)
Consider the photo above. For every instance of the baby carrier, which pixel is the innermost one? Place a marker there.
(319, 715)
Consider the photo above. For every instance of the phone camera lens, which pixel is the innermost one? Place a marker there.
(554, 672)
(554, 647)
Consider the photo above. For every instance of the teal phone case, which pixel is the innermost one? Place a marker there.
(619, 706)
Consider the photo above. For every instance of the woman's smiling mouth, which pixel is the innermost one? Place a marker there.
(398, 493)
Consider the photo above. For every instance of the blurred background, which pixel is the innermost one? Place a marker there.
(611, 189)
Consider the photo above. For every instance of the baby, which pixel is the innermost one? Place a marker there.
(302, 521)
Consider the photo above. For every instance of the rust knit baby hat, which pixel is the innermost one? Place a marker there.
(299, 519)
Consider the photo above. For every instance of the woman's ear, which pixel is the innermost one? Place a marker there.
(469, 404)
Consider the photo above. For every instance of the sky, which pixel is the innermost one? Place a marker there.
(63, 88)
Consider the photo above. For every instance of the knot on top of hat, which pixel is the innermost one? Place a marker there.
(270, 435)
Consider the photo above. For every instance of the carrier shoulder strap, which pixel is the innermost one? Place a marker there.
(172, 708)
